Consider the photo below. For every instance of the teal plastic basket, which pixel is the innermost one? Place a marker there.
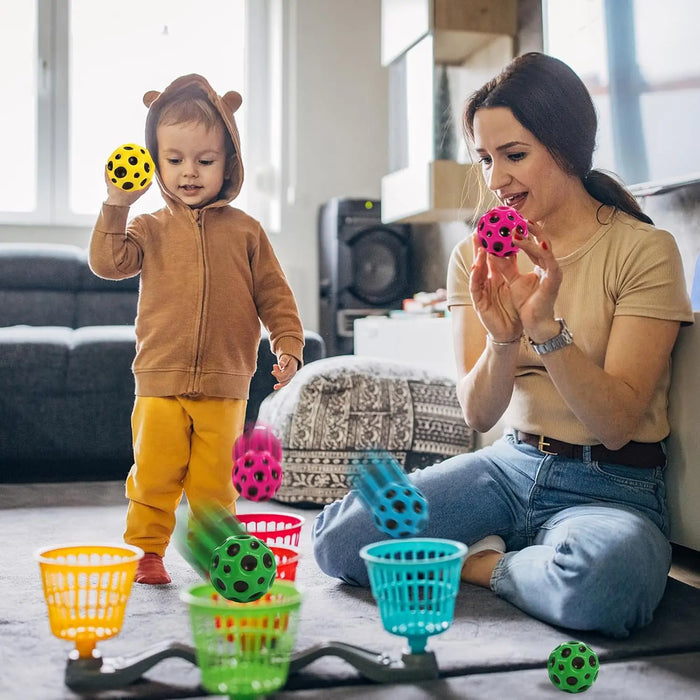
(415, 583)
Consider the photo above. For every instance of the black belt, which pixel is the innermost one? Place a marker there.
(634, 454)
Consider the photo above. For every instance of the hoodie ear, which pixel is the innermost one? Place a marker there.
(232, 100)
(150, 97)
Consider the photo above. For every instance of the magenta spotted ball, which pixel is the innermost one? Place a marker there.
(495, 230)
(257, 470)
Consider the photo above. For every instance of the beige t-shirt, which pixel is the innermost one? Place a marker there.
(628, 268)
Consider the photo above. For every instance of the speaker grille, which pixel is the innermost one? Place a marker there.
(378, 267)
(364, 267)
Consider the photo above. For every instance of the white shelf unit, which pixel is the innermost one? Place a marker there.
(424, 341)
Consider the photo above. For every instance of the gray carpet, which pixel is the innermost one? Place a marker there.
(674, 677)
(488, 636)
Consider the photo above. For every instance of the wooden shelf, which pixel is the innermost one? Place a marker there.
(455, 48)
(487, 16)
(418, 35)
(441, 190)
(459, 27)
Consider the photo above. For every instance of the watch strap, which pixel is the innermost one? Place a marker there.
(561, 340)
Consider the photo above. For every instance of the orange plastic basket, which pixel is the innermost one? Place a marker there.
(273, 528)
(86, 589)
(287, 558)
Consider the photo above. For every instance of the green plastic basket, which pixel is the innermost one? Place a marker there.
(243, 649)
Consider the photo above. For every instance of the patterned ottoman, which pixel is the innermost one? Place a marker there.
(338, 411)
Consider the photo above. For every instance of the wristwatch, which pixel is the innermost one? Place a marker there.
(561, 340)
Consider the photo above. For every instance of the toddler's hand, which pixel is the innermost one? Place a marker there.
(284, 370)
(119, 197)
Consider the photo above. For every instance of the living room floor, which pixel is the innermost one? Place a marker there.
(685, 565)
(661, 661)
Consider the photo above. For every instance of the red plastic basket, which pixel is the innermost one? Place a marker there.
(273, 528)
(287, 558)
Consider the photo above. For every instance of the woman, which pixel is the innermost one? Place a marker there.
(565, 514)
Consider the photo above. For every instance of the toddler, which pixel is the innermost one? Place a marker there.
(209, 277)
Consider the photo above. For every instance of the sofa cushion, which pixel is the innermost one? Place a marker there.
(52, 285)
(100, 359)
(38, 283)
(113, 308)
(56, 360)
(37, 307)
(34, 359)
(103, 302)
(339, 411)
(41, 266)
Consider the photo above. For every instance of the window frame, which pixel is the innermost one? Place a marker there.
(261, 143)
(630, 155)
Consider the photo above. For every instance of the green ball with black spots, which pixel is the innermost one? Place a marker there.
(573, 667)
(242, 568)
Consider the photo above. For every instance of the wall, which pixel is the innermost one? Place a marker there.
(338, 116)
(341, 128)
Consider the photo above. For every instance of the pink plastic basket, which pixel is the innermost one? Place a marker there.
(287, 558)
(273, 528)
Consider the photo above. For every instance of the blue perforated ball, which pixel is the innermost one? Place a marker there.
(401, 510)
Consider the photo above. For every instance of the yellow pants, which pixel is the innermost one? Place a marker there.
(180, 445)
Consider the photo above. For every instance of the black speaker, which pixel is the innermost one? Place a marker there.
(364, 267)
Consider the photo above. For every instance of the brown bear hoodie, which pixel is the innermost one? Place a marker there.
(209, 276)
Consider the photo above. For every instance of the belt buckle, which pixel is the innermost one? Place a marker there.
(541, 444)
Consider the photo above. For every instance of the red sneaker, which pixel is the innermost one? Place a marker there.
(151, 570)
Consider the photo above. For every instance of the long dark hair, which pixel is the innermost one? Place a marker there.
(552, 103)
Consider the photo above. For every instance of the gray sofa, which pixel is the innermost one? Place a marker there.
(66, 348)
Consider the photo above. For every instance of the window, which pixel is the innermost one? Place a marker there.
(18, 48)
(79, 72)
(627, 52)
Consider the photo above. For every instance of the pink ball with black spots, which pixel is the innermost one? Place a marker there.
(495, 230)
(257, 472)
(257, 476)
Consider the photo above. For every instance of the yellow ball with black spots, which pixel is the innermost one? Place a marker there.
(130, 167)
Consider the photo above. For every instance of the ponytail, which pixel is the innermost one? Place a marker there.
(604, 187)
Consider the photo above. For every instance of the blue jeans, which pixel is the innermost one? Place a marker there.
(587, 544)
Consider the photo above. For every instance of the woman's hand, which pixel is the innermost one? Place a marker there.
(491, 294)
(532, 294)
